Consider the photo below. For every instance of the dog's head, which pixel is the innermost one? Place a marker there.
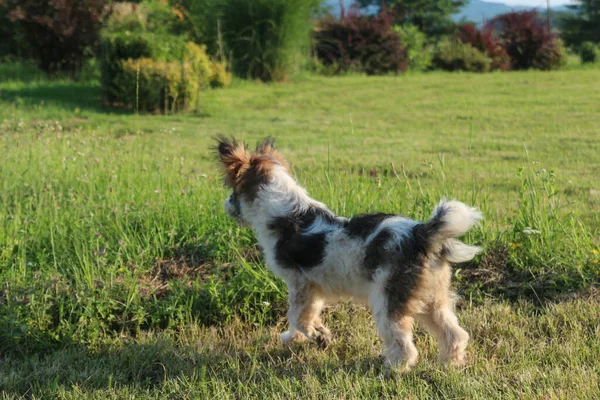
(247, 173)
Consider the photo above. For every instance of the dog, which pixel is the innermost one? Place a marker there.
(399, 267)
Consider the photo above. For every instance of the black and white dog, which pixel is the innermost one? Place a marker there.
(399, 267)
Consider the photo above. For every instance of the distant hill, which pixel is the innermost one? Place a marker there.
(477, 10)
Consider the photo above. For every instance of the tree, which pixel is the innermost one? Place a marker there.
(583, 25)
(433, 17)
(59, 32)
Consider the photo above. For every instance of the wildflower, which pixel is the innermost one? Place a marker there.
(515, 245)
(531, 231)
(594, 251)
(594, 261)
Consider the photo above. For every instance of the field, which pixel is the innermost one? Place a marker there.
(122, 276)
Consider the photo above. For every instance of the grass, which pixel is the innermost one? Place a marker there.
(123, 277)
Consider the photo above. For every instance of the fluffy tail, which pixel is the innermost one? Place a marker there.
(451, 219)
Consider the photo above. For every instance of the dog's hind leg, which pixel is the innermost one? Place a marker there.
(441, 321)
(397, 334)
(303, 315)
(439, 318)
(452, 339)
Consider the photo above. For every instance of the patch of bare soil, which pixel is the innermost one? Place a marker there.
(187, 267)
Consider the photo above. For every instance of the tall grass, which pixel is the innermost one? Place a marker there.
(266, 37)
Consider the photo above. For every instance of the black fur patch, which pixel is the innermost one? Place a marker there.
(409, 259)
(365, 224)
(429, 228)
(376, 254)
(295, 249)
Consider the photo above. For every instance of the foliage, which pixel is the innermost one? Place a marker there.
(583, 24)
(12, 39)
(434, 18)
(116, 47)
(59, 32)
(203, 17)
(152, 84)
(528, 42)
(454, 55)
(589, 52)
(266, 37)
(360, 43)
(484, 41)
(219, 76)
(418, 53)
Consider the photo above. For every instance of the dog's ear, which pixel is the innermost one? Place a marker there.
(267, 147)
(235, 158)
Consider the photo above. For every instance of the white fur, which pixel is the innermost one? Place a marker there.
(457, 219)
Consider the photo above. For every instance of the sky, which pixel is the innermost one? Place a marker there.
(532, 3)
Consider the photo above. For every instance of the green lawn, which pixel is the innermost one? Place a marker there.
(123, 277)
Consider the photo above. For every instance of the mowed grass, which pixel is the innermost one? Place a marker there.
(123, 277)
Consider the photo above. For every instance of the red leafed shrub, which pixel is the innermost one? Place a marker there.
(484, 41)
(360, 43)
(59, 32)
(527, 41)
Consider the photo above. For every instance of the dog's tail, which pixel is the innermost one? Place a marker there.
(451, 219)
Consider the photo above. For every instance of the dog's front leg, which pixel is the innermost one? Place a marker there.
(303, 315)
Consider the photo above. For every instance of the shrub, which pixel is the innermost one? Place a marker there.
(148, 84)
(454, 55)
(133, 45)
(484, 41)
(528, 42)
(589, 52)
(414, 41)
(266, 37)
(59, 32)
(361, 43)
(152, 85)
(219, 76)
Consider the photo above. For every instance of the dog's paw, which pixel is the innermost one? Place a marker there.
(455, 360)
(323, 337)
(288, 337)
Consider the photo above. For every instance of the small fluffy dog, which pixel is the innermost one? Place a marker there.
(399, 267)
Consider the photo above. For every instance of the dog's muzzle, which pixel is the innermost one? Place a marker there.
(232, 206)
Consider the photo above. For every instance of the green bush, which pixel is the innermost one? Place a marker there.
(219, 76)
(418, 53)
(153, 85)
(452, 55)
(589, 52)
(121, 46)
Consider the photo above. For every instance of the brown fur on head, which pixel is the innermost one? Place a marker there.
(245, 171)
